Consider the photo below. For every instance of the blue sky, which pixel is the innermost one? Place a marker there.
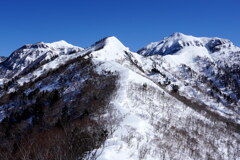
(135, 22)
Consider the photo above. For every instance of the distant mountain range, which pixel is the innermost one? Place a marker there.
(178, 98)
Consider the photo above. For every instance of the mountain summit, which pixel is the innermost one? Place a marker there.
(31, 55)
(178, 41)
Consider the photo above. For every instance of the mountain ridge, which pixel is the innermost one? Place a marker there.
(177, 41)
(119, 104)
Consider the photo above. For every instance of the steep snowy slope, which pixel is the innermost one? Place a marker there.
(203, 69)
(154, 124)
(106, 102)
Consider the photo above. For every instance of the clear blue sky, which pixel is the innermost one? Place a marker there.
(134, 22)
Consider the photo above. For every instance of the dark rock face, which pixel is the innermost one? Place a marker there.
(214, 45)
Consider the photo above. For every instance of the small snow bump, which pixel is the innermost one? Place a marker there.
(177, 34)
(60, 44)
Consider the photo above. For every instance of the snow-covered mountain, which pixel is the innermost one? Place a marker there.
(34, 55)
(178, 41)
(174, 99)
(206, 70)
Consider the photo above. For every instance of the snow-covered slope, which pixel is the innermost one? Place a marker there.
(150, 120)
(159, 104)
(154, 125)
(202, 69)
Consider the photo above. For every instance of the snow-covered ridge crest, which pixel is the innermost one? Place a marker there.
(39, 48)
(111, 41)
(60, 44)
(35, 54)
(114, 42)
(107, 49)
(178, 41)
(110, 49)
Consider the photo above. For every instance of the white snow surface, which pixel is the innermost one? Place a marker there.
(61, 44)
(113, 50)
(187, 56)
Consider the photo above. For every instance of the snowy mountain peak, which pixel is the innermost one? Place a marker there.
(114, 42)
(109, 48)
(112, 39)
(110, 42)
(177, 34)
(35, 54)
(171, 45)
(177, 41)
(33, 46)
(55, 45)
(60, 44)
(182, 38)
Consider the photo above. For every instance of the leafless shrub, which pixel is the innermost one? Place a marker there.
(143, 151)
